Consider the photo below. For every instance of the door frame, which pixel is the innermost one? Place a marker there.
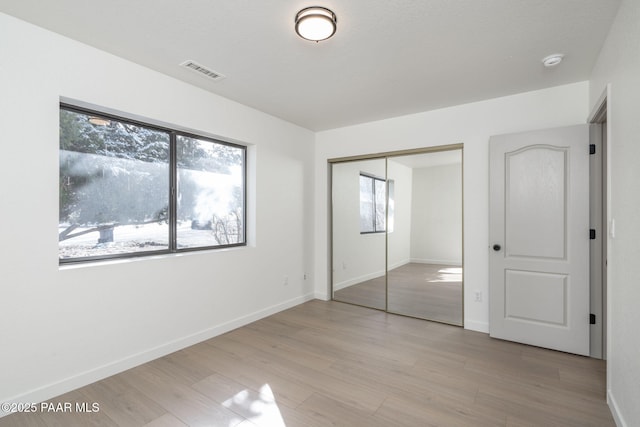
(600, 188)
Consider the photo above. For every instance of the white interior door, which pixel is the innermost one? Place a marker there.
(539, 236)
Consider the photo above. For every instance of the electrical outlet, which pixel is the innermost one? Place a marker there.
(286, 281)
(478, 296)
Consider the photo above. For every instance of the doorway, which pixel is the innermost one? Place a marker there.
(397, 233)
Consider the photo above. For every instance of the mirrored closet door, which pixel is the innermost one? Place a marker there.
(358, 233)
(397, 233)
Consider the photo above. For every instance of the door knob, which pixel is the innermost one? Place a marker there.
(496, 247)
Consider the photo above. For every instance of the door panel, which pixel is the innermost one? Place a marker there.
(536, 183)
(539, 231)
(536, 297)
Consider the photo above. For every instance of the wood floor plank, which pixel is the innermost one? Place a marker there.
(261, 407)
(124, 405)
(328, 363)
(25, 420)
(167, 420)
(335, 412)
(584, 381)
(402, 382)
(363, 344)
(253, 375)
(185, 403)
(180, 368)
(339, 387)
(258, 407)
(553, 411)
(222, 389)
(281, 348)
(437, 412)
(297, 418)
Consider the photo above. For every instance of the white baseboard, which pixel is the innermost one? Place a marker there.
(356, 280)
(452, 262)
(50, 391)
(399, 264)
(474, 325)
(615, 410)
(323, 296)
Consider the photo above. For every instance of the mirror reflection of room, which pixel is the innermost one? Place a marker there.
(397, 234)
(425, 247)
(359, 224)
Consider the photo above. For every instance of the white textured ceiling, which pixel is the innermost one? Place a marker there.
(388, 57)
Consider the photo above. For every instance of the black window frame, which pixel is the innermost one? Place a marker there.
(172, 190)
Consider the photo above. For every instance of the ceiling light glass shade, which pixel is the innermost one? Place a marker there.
(316, 23)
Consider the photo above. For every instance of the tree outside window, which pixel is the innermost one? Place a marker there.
(131, 189)
(373, 194)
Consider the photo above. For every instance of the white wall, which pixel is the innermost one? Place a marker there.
(436, 232)
(61, 328)
(619, 66)
(470, 124)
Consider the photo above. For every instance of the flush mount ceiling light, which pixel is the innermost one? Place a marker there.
(552, 60)
(316, 23)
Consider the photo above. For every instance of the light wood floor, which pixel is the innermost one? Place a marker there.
(329, 363)
(426, 291)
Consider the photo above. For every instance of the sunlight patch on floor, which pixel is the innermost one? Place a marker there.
(450, 274)
(260, 408)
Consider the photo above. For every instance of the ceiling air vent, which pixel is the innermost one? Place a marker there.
(202, 70)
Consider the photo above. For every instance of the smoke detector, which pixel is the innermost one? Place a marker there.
(552, 60)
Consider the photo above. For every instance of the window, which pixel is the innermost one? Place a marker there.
(210, 195)
(372, 204)
(131, 189)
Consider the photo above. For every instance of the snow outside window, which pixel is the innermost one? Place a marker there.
(115, 189)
